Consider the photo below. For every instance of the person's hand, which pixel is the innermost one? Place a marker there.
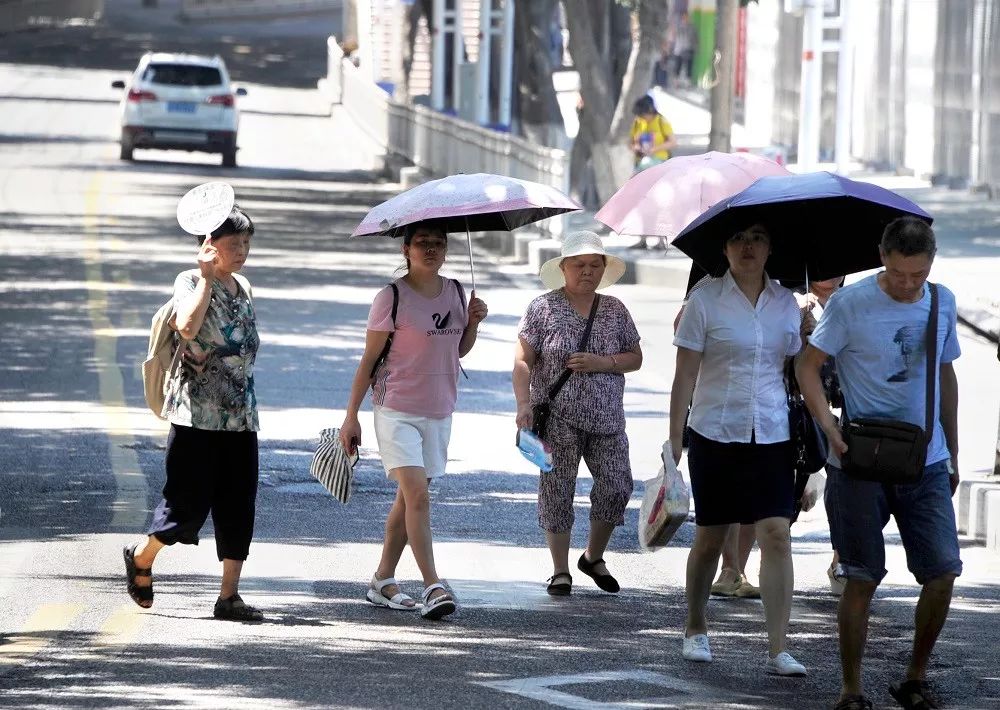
(953, 478)
(524, 418)
(811, 493)
(835, 438)
(676, 448)
(808, 324)
(207, 257)
(588, 362)
(477, 310)
(350, 434)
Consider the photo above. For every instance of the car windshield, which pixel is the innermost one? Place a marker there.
(182, 75)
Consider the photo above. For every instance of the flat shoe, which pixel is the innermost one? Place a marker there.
(915, 695)
(604, 581)
(747, 591)
(235, 609)
(562, 589)
(854, 702)
(727, 589)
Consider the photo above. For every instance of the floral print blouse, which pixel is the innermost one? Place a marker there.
(213, 387)
(591, 402)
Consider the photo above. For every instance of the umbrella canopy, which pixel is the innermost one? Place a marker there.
(661, 201)
(822, 225)
(476, 202)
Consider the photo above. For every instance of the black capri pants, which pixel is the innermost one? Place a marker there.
(209, 472)
(740, 483)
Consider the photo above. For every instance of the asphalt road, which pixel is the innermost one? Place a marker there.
(88, 251)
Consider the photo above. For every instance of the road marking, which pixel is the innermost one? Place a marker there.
(128, 511)
(121, 627)
(543, 689)
(30, 640)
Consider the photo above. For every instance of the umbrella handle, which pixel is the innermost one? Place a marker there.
(472, 267)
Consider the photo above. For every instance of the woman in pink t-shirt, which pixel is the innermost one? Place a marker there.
(414, 388)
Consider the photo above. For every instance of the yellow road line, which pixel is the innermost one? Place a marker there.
(131, 487)
(31, 639)
(121, 627)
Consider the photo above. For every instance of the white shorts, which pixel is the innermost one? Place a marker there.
(411, 440)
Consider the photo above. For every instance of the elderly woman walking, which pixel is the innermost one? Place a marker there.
(733, 341)
(418, 328)
(211, 458)
(587, 416)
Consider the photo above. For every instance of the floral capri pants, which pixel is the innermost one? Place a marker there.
(607, 458)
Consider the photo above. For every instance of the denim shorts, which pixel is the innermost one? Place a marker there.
(925, 516)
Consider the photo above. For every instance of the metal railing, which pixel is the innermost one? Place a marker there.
(20, 14)
(436, 143)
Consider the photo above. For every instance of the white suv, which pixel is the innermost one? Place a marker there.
(180, 101)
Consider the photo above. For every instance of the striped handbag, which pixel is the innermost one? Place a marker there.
(332, 466)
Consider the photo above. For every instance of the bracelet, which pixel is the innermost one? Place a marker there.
(614, 363)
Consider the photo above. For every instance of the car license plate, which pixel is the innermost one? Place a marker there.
(180, 107)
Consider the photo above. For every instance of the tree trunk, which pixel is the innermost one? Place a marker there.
(539, 116)
(607, 112)
(727, 18)
(419, 9)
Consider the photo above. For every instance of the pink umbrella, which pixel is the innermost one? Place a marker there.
(463, 203)
(662, 200)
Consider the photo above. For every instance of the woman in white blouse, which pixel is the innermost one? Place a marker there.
(732, 342)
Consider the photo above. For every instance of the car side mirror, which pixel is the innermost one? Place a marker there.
(118, 84)
(241, 91)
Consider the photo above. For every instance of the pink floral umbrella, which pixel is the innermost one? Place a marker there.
(467, 203)
(661, 201)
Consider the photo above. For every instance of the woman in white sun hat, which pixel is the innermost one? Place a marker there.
(587, 415)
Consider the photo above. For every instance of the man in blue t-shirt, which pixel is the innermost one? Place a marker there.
(876, 329)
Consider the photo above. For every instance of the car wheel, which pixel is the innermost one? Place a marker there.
(229, 157)
(126, 150)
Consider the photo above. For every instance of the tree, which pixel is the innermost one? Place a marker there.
(726, 20)
(607, 96)
(538, 110)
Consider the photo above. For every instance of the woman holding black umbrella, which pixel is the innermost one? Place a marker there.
(732, 344)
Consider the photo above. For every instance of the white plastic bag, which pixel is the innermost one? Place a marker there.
(665, 504)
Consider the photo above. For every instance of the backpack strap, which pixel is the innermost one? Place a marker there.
(388, 341)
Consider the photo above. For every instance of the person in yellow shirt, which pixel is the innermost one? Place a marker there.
(650, 139)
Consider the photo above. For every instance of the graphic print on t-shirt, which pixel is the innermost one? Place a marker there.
(908, 340)
(440, 322)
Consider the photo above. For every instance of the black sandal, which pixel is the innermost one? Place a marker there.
(143, 596)
(235, 609)
(604, 581)
(854, 702)
(915, 695)
(562, 589)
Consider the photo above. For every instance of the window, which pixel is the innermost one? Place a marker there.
(182, 75)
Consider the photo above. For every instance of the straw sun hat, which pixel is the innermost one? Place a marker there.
(578, 244)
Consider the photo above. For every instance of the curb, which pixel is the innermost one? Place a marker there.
(979, 511)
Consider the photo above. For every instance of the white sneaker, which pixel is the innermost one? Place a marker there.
(784, 664)
(696, 649)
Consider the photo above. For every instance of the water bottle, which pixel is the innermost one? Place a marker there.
(534, 449)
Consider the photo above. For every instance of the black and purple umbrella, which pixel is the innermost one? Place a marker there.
(822, 225)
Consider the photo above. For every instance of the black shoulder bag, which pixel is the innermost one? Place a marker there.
(541, 411)
(890, 451)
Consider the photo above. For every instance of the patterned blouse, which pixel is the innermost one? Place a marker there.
(593, 401)
(214, 386)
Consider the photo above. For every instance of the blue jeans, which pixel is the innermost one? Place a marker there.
(925, 516)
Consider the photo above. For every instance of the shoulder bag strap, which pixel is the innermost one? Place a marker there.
(583, 346)
(932, 367)
(388, 341)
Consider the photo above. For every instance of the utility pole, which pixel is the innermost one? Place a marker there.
(811, 91)
(726, 21)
